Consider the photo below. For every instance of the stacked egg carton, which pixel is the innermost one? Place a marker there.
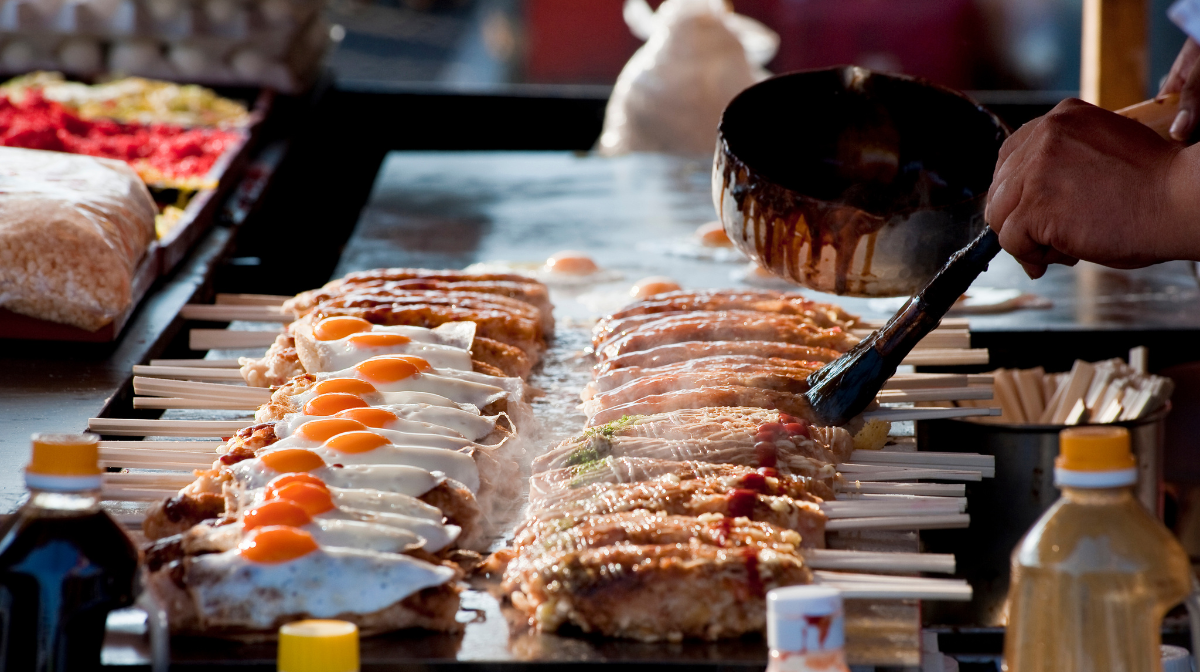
(273, 43)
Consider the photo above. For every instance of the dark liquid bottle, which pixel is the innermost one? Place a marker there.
(64, 564)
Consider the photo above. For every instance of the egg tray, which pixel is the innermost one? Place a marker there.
(162, 256)
(249, 48)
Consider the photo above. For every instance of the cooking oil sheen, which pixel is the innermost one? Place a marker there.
(1091, 582)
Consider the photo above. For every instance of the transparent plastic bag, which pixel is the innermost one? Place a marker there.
(669, 96)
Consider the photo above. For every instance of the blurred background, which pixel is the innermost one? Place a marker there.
(1030, 46)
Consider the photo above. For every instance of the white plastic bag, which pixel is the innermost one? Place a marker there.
(669, 96)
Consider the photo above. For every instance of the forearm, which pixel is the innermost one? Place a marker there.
(1179, 219)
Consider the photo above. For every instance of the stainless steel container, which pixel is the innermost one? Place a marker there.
(853, 182)
(1005, 507)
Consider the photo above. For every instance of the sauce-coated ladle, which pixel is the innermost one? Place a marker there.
(845, 387)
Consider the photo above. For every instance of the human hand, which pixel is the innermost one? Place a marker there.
(1084, 183)
(1184, 79)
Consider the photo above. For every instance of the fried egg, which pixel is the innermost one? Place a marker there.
(399, 373)
(280, 570)
(369, 448)
(656, 284)
(713, 234)
(326, 532)
(258, 472)
(340, 342)
(314, 432)
(414, 418)
(317, 502)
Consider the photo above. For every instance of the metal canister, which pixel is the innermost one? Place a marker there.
(1005, 507)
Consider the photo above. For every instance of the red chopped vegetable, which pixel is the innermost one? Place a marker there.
(171, 151)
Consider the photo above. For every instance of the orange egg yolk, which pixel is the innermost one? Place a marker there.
(338, 327)
(391, 369)
(647, 287)
(345, 385)
(272, 489)
(275, 512)
(571, 263)
(328, 404)
(292, 459)
(314, 499)
(320, 430)
(376, 418)
(356, 442)
(713, 235)
(379, 340)
(276, 543)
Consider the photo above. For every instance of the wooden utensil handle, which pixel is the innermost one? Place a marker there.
(1157, 113)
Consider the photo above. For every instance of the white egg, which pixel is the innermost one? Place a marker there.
(190, 60)
(327, 532)
(17, 55)
(220, 11)
(230, 590)
(447, 383)
(134, 57)
(277, 11)
(80, 54)
(249, 64)
(164, 10)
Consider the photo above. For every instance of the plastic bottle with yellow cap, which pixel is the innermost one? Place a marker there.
(64, 562)
(318, 646)
(1093, 578)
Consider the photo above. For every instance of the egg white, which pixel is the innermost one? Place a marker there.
(252, 475)
(459, 466)
(231, 591)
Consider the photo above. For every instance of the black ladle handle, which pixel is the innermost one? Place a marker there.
(924, 311)
(845, 387)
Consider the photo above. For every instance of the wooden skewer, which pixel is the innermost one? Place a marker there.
(972, 460)
(128, 427)
(942, 522)
(198, 363)
(250, 299)
(149, 480)
(878, 472)
(874, 587)
(901, 414)
(184, 446)
(168, 403)
(947, 357)
(220, 339)
(874, 561)
(852, 489)
(938, 339)
(917, 381)
(161, 387)
(188, 372)
(119, 494)
(877, 509)
(230, 313)
(934, 394)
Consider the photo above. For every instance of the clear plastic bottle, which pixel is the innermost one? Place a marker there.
(64, 563)
(1093, 578)
(806, 630)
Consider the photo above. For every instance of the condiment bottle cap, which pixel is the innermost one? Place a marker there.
(805, 619)
(318, 646)
(1176, 659)
(64, 462)
(1095, 457)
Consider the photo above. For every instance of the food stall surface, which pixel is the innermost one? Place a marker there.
(635, 216)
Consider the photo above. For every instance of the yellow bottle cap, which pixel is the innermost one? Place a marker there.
(318, 646)
(64, 462)
(1096, 456)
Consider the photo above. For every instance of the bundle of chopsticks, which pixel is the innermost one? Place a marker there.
(1090, 393)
